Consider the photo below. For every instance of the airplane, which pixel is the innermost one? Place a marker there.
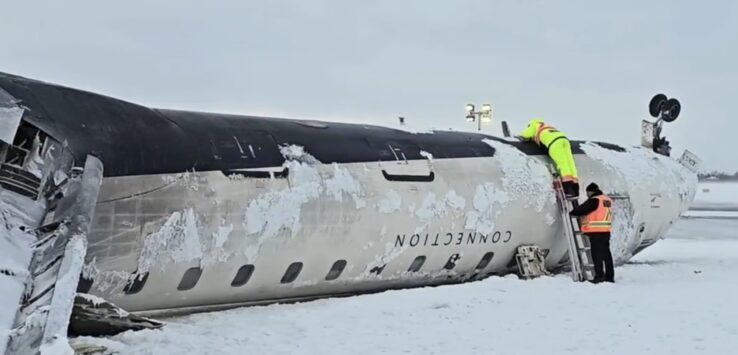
(179, 211)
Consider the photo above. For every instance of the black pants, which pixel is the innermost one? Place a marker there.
(602, 257)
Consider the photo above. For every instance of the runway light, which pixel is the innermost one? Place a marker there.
(469, 108)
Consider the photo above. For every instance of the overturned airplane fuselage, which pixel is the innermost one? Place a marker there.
(200, 210)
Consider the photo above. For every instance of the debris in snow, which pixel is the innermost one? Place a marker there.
(100, 318)
(95, 345)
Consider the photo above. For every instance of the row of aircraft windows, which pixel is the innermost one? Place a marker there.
(243, 275)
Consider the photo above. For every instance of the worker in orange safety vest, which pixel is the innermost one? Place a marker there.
(596, 222)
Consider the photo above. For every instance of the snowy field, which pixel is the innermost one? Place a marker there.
(677, 297)
(716, 196)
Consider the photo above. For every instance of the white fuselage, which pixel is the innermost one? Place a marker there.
(164, 225)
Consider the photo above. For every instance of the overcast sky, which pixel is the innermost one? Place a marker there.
(588, 67)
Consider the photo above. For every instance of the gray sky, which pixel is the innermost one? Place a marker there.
(588, 67)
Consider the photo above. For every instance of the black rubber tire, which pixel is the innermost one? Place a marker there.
(671, 110)
(656, 105)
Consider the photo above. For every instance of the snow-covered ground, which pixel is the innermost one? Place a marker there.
(716, 196)
(677, 297)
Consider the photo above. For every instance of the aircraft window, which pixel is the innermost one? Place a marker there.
(243, 275)
(336, 270)
(485, 261)
(292, 272)
(451, 263)
(136, 284)
(417, 264)
(190, 278)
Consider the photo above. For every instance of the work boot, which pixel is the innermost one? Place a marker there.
(571, 189)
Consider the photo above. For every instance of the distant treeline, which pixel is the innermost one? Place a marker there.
(718, 176)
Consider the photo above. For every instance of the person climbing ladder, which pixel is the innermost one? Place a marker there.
(559, 149)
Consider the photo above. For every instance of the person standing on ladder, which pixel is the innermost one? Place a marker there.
(596, 223)
(559, 149)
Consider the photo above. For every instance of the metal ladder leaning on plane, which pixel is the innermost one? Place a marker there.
(580, 251)
(531, 261)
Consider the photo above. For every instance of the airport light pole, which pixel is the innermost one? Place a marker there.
(483, 115)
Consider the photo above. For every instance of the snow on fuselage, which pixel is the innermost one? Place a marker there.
(334, 229)
(203, 210)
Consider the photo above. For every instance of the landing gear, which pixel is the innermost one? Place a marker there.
(665, 110)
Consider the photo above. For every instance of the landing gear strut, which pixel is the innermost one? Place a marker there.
(664, 110)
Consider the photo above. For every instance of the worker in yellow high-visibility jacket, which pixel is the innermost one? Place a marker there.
(559, 149)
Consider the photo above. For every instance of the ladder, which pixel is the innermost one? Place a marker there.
(580, 253)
